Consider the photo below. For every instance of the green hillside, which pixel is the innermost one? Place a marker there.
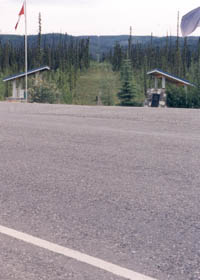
(98, 44)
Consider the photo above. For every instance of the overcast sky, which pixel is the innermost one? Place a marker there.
(96, 17)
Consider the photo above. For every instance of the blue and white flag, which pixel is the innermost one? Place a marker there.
(190, 22)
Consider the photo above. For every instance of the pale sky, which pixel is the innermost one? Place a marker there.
(96, 17)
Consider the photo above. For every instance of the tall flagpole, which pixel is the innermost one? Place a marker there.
(26, 53)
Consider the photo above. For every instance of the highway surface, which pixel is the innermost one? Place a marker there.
(121, 185)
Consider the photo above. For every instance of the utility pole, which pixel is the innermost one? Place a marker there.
(178, 19)
(178, 54)
(129, 43)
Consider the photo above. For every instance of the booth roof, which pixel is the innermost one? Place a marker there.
(159, 73)
(30, 72)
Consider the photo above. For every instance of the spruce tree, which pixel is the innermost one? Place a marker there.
(128, 89)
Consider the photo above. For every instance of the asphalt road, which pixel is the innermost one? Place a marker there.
(119, 184)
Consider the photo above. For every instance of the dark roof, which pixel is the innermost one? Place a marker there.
(170, 77)
(30, 72)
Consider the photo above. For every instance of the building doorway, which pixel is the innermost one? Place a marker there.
(155, 100)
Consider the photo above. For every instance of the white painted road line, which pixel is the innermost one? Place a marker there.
(98, 263)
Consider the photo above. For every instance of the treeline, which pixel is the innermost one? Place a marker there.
(182, 61)
(63, 54)
(67, 57)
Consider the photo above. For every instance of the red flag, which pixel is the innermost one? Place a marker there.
(22, 11)
(20, 14)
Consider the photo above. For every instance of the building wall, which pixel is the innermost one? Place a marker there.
(161, 92)
(17, 92)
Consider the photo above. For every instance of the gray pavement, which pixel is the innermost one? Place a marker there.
(120, 184)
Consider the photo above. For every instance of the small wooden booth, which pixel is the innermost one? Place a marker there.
(156, 97)
(18, 84)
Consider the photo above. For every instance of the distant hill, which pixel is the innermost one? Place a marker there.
(98, 44)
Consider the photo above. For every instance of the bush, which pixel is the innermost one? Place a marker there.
(179, 97)
(43, 92)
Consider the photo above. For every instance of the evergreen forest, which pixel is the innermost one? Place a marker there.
(112, 76)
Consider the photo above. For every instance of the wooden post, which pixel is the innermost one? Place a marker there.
(163, 82)
(14, 91)
(186, 95)
(156, 82)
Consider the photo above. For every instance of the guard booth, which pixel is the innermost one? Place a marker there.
(18, 83)
(156, 97)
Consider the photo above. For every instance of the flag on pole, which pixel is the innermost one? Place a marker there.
(20, 14)
(23, 11)
(190, 22)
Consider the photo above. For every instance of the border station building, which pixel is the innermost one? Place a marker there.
(156, 97)
(18, 88)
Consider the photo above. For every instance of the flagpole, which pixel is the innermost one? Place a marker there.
(26, 54)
